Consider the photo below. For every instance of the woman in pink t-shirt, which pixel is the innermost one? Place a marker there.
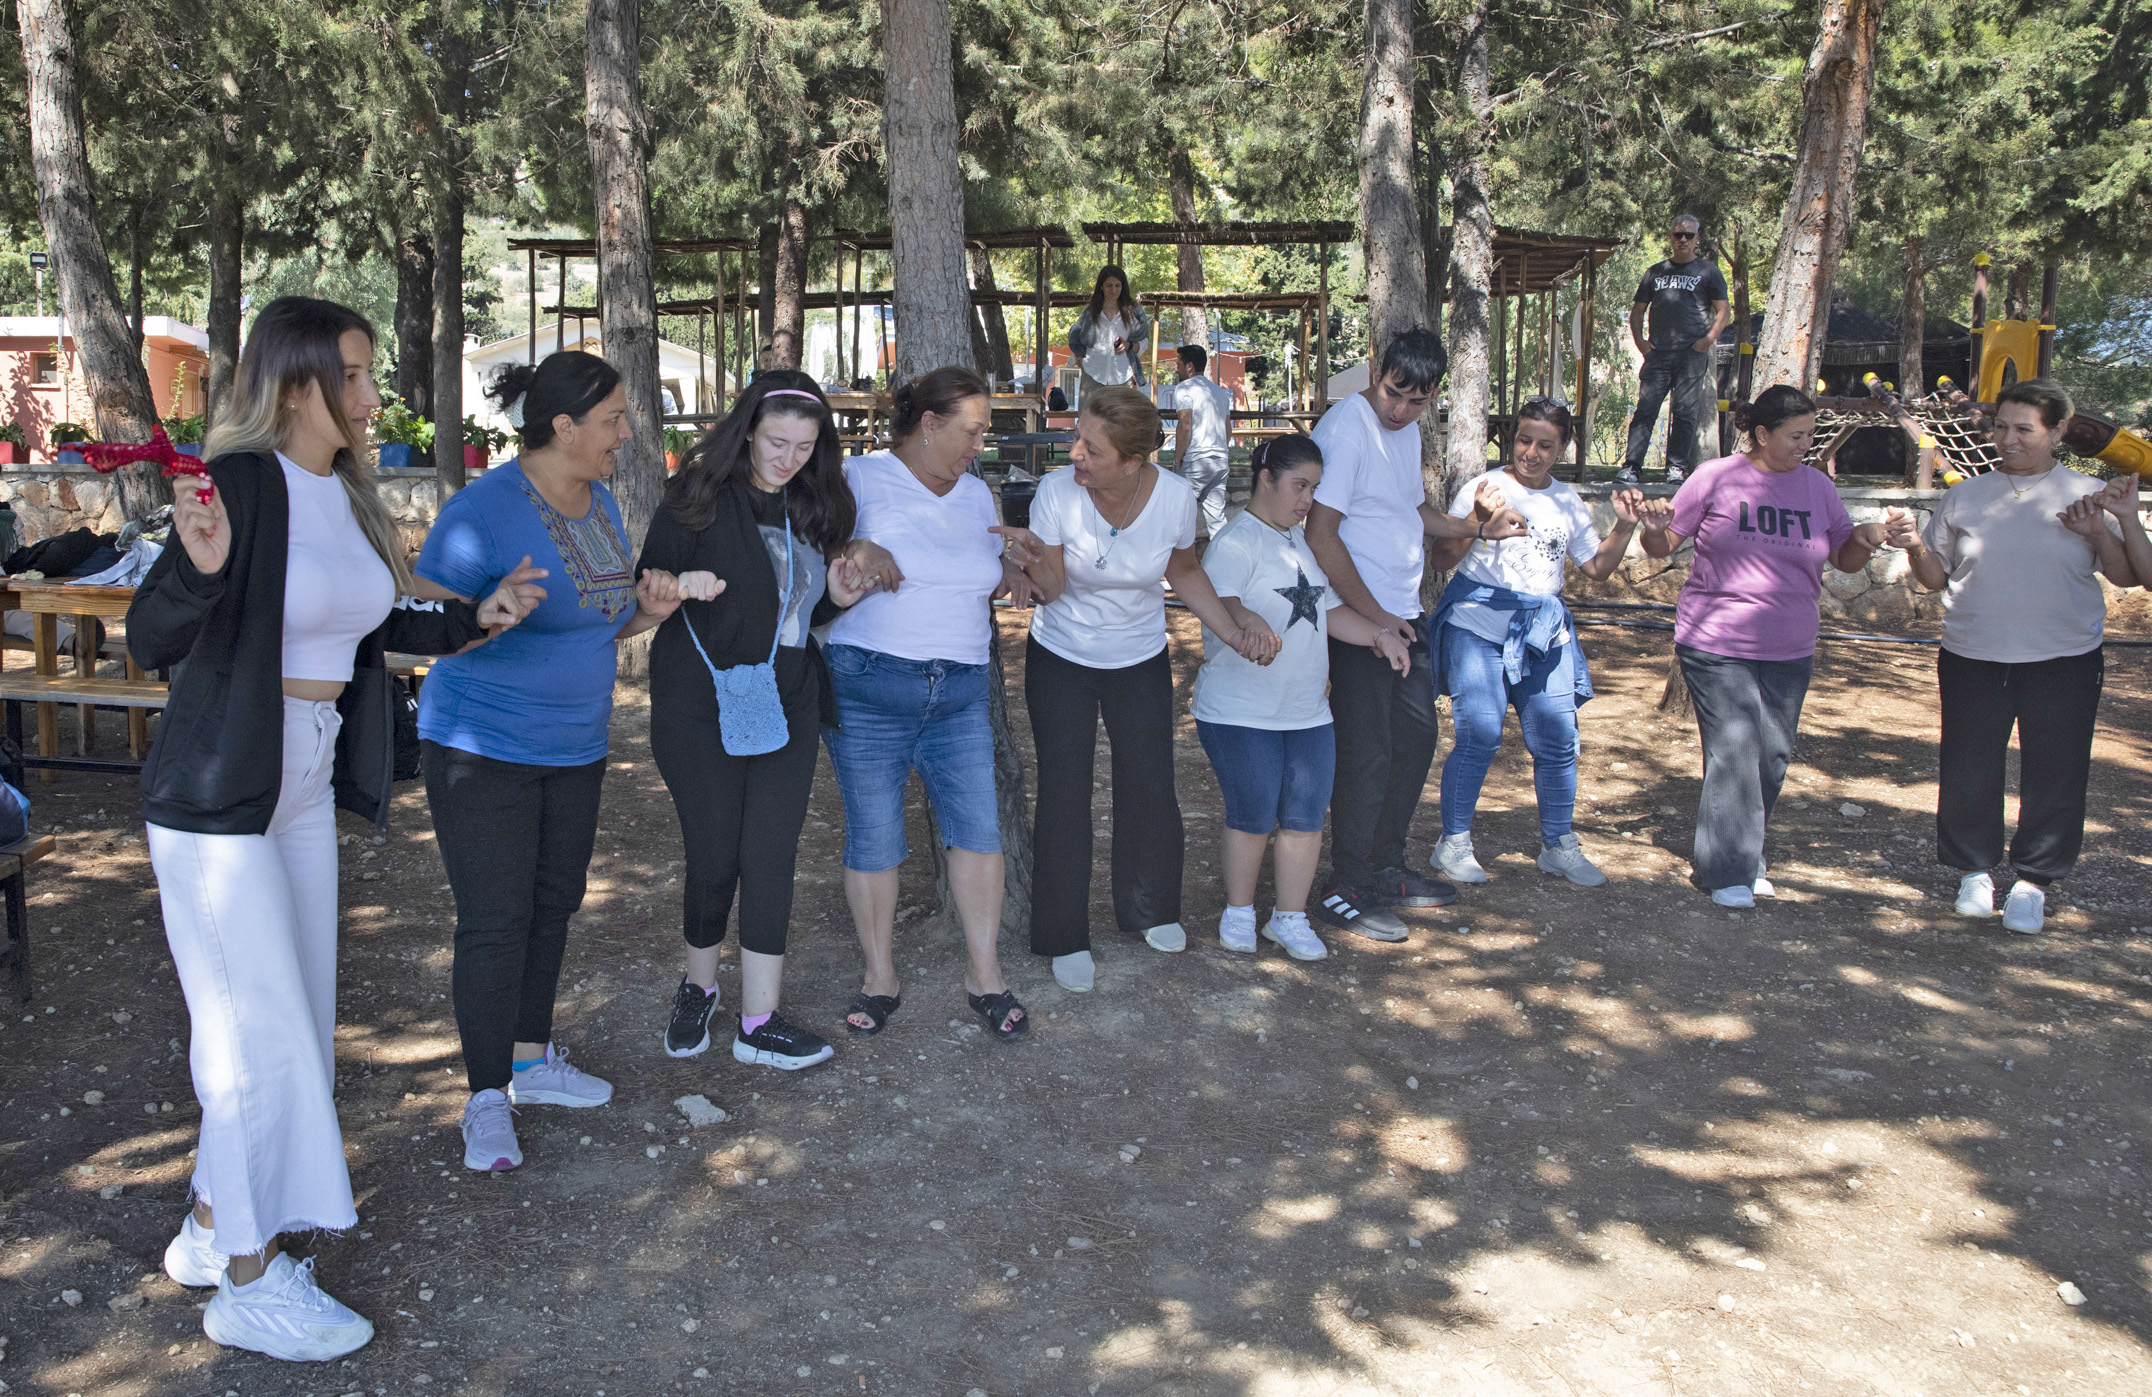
(1745, 629)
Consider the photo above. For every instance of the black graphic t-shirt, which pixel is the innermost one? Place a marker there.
(1681, 295)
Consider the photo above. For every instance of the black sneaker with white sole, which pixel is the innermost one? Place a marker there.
(1356, 911)
(688, 1034)
(1395, 887)
(781, 1043)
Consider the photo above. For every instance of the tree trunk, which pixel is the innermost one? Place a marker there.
(1819, 203)
(627, 296)
(997, 324)
(414, 322)
(227, 254)
(1188, 257)
(765, 292)
(2017, 299)
(1913, 319)
(1389, 211)
(926, 191)
(120, 399)
(1471, 263)
(134, 278)
(788, 335)
(448, 330)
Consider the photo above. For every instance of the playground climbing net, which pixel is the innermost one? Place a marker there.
(1960, 432)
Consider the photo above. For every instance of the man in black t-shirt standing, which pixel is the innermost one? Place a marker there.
(1685, 297)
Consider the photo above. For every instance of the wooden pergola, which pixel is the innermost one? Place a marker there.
(1313, 308)
(1527, 265)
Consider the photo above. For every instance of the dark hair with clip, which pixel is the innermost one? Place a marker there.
(939, 391)
(1773, 409)
(1281, 454)
(570, 382)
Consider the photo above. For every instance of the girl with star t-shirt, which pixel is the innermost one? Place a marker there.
(1266, 727)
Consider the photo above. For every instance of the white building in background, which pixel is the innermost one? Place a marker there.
(689, 378)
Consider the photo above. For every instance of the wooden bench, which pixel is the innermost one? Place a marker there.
(15, 861)
(138, 696)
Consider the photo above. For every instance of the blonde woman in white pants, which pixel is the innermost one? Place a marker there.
(273, 603)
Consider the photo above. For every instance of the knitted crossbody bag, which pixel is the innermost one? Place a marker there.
(750, 715)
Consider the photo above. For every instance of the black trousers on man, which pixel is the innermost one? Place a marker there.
(2052, 704)
(1680, 374)
(1386, 736)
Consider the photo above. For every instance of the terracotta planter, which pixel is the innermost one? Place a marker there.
(474, 458)
(13, 455)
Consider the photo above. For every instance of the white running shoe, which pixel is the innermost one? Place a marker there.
(1169, 937)
(285, 1315)
(1735, 896)
(1075, 971)
(1566, 857)
(1453, 859)
(193, 1259)
(1236, 928)
(489, 1133)
(2025, 909)
(554, 1082)
(1762, 886)
(1291, 930)
(1976, 895)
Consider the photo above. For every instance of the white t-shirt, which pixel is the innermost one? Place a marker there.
(1559, 531)
(1102, 361)
(1112, 613)
(1371, 475)
(951, 564)
(1276, 577)
(2022, 587)
(1206, 403)
(337, 591)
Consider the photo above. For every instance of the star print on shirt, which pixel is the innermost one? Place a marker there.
(1303, 595)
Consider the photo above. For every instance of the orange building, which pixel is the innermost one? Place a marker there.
(41, 380)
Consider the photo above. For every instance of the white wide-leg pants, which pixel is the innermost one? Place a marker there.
(251, 919)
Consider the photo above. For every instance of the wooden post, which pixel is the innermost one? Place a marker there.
(2050, 277)
(1322, 331)
(717, 325)
(1980, 323)
(1584, 365)
(1041, 350)
(532, 287)
(1516, 379)
(1501, 348)
(560, 298)
(1154, 359)
(858, 302)
(1307, 389)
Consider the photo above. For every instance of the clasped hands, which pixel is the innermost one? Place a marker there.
(2087, 517)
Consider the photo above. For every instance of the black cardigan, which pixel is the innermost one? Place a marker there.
(736, 628)
(217, 765)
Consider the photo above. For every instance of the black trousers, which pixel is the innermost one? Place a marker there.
(740, 822)
(1066, 701)
(1386, 735)
(1681, 374)
(516, 840)
(2052, 704)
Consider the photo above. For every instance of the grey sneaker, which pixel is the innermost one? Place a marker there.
(489, 1133)
(1566, 857)
(1353, 910)
(1453, 859)
(554, 1082)
(1169, 937)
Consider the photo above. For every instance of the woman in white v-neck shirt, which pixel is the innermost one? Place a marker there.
(1107, 536)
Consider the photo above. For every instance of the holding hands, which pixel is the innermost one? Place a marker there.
(1257, 644)
(2120, 497)
(1896, 529)
(875, 568)
(515, 598)
(1016, 584)
(1392, 649)
(1628, 506)
(1021, 546)
(848, 581)
(1491, 512)
(2087, 518)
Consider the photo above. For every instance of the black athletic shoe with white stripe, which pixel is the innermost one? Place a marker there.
(781, 1043)
(1394, 887)
(688, 1032)
(1356, 911)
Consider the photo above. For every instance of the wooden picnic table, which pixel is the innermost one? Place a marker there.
(46, 601)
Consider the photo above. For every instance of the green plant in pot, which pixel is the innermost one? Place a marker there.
(402, 432)
(66, 434)
(480, 442)
(14, 445)
(187, 431)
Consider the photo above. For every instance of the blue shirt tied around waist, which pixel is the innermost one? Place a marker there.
(1537, 623)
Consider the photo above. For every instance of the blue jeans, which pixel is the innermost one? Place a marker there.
(1271, 779)
(896, 715)
(1683, 375)
(1546, 704)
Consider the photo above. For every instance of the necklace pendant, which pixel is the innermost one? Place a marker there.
(1112, 532)
(1101, 561)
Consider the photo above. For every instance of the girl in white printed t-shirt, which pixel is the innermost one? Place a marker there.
(1266, 728)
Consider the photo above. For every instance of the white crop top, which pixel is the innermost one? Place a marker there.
(337, 590)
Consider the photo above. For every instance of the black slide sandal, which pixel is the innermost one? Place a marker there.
(996, 1009)
(877, 1008)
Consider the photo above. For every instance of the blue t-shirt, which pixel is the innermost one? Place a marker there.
(541, 692)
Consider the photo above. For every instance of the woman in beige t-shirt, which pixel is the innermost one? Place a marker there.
(2018, 553)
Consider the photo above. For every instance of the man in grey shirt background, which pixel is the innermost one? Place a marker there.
(1204, 433)
(1685, 300)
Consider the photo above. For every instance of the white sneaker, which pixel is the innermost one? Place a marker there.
(2026, 908)
(1762, 886)
(1168, 938)
(1566, 857)
(1236, 928)
(1976, 895)
(193, 1259)
(285, 1315)
(554, 1083)
(1075, 971)
(489, 1133)
(1735, 896)
(1291, 930)
(1453, 859)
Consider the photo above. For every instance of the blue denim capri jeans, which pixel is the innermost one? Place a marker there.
(1272, 779)
(896, 716)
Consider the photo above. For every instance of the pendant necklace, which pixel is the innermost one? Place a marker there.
(2018, 494)
(1113, 531)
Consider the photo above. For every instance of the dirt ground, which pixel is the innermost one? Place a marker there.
(1562, 1141)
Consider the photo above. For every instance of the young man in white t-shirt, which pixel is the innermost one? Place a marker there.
(1204, 434)
(1368, 529)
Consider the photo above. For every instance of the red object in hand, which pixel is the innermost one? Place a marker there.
(106, 457)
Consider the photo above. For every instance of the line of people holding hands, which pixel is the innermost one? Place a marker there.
(285, 585)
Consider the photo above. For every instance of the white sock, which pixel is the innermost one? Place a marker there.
(1239, 916)
(1279, 914)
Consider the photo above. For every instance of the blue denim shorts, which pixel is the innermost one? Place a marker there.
(895, 716)
(1272, 780)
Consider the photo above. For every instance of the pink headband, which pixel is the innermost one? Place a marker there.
(792, 393)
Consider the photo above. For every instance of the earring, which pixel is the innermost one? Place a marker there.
(930, 440)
